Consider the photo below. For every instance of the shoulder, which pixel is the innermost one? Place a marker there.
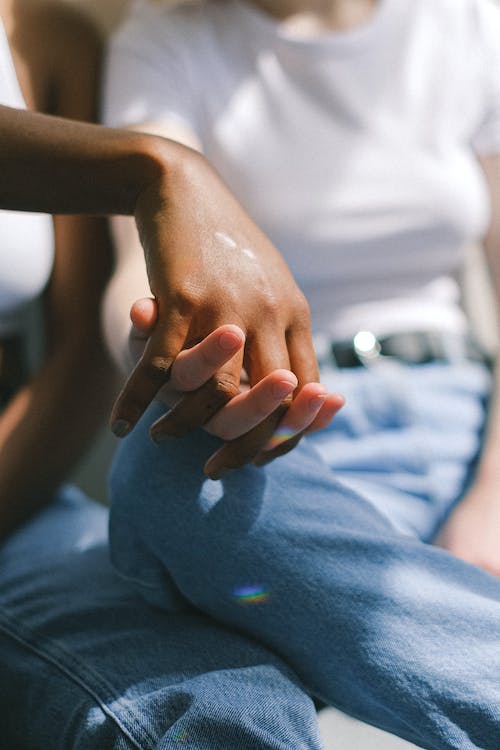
(59, 29)
(165, 25)
(61, 46)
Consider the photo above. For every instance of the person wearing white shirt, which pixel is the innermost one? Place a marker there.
(364, 139)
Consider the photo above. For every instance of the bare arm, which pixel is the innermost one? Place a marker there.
(218, 269)
(54, 165)
(50, 421)
(472, 531)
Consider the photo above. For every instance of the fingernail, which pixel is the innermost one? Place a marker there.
(121, 428)
(282, 389)
(229, 341)
(159, 437)
(316, 402)
(217, 474)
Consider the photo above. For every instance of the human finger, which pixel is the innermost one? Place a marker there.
(194, 366)
(308, 418)
(300, 415)
(262, 357)
(195, 408)
(265, 352)
(144, 315)
(150, 373)
(302, 355)
(236, 453)
(333, 404)
(248, 409)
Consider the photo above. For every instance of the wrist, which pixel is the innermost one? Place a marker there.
(172, 180)
(160, 163)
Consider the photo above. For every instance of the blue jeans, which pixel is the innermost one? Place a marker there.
(86, 663)
(324, 555)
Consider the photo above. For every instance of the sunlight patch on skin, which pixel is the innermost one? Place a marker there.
(230, 244)
(249, 253)
(226, 240)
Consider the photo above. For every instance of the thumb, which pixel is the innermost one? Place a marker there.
(144, 314)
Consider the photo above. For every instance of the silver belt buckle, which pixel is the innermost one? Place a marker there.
(367, 347)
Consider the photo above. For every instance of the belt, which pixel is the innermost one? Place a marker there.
(413, 347)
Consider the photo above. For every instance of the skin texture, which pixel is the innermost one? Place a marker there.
(118, 172)
(42, 436)
(471, 531)
(125, 172)
(246, 415)
(221, 270)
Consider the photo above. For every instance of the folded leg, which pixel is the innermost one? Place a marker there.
(392, 630)
(86, 663)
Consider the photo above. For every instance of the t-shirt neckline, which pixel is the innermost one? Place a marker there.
(342, 42)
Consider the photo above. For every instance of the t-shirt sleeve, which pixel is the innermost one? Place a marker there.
(486, 139)
(147, 71)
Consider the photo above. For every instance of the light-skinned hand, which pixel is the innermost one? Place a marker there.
(258, 424)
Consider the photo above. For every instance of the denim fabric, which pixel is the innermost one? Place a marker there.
(323, 556)
(86, 663)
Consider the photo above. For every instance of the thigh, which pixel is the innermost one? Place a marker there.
(373, 620)
(408, 438)
(85, 663)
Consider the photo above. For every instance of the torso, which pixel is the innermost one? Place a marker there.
(349, 150)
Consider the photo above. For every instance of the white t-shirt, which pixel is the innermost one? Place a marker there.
(26, 240)
(354, 151)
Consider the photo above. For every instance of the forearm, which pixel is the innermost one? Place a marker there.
(49, 423)
(47, 427)
(58, 166)
(488, 474)
(488, 471)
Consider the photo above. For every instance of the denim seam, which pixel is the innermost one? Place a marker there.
(29, 639)
(137, 581)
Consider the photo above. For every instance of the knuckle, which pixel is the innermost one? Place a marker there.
(271, 306)
(226, 388)
(157, 369)
(187, 298)
(302, 313)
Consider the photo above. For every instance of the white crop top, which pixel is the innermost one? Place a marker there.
(26, 240)
(356, 151)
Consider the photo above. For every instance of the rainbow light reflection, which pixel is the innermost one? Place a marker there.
(280, 436)
(251, 594)
(181, 736)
